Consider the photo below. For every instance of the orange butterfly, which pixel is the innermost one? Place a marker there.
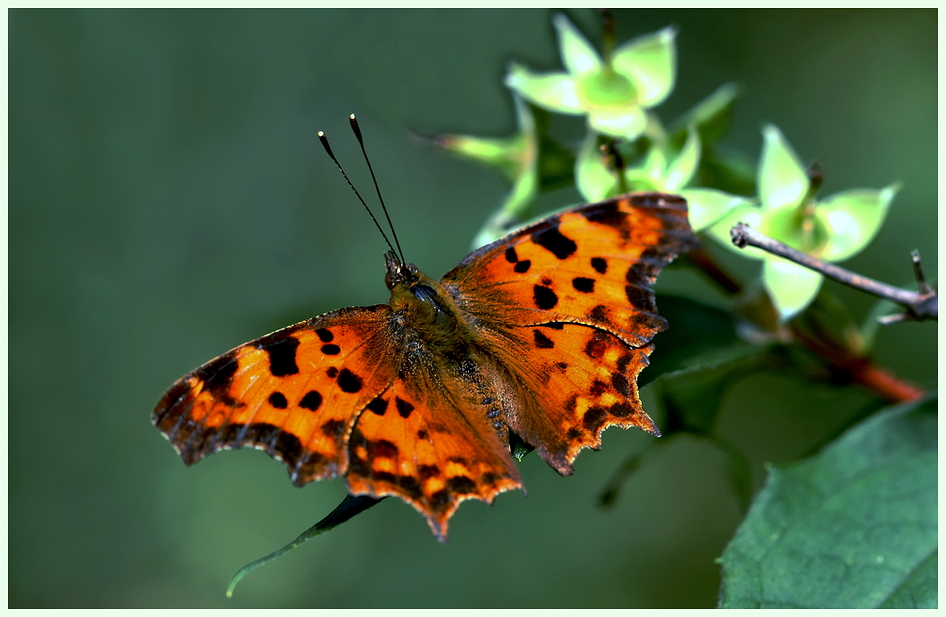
(537, 338)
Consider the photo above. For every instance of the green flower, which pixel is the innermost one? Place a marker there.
(614, 92)
(659, 170)
(832, 229)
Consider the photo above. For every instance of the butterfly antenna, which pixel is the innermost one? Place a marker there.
(328, 149)
(361, 141)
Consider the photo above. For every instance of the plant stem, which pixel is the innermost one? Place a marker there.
(922, 305)
(845, 363)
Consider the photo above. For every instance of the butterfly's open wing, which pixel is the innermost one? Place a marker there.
(427, 439)
(338, 395)
(566, 305)
(295, 393)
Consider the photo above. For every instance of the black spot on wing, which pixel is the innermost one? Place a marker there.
(378, 406)
(311, 401)
(381, 448)
(600, 314)
(606, 213)
(461, 484)
(541, 340)
(596, 346)
(334, 428)
(544, 297)
(583, 284)
(620, 384)
(640, 298)
(217, 375)
(646, 268)
(282, 355)
(276, 441)
(593, 419)
(621, 409)
(278, 400)
(348, 381)
(428, 471)
(552, 240)
(598, 388)
(404, 408)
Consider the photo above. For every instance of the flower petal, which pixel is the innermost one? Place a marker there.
(852, 219)
(578, 55)
(791, 287)
(593, 178)
(554, 91)
(650, 62)
(782, 178)
(627, 122)
(681, 170)
(707, 206)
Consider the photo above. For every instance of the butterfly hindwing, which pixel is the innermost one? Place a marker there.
(428, 441)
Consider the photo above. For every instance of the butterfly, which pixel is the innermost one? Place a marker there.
(534, 339)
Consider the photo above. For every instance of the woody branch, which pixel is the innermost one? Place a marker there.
(919, 305)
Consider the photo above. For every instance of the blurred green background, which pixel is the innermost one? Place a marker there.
(168, 200)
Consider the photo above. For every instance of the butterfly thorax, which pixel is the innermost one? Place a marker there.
(425, 310)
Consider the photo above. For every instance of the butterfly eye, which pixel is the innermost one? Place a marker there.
(426, 294)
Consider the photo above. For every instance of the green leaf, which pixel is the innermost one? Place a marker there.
(351, 506)
(854, 526)
(695, 330)
(692, 397)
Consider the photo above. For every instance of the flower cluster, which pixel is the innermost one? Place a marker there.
(627, 148)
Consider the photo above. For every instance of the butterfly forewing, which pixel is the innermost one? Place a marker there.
(295, 393)
(592, 265)
(566, 305)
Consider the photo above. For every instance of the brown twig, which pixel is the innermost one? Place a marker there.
(919, 305)
(852, 366)
(859, 369)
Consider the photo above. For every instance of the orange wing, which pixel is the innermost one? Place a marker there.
(566, 306)
(427, 440)
(544, 336)
(295, 393)
(338, 395)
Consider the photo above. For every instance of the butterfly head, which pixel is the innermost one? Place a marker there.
(398, 272)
